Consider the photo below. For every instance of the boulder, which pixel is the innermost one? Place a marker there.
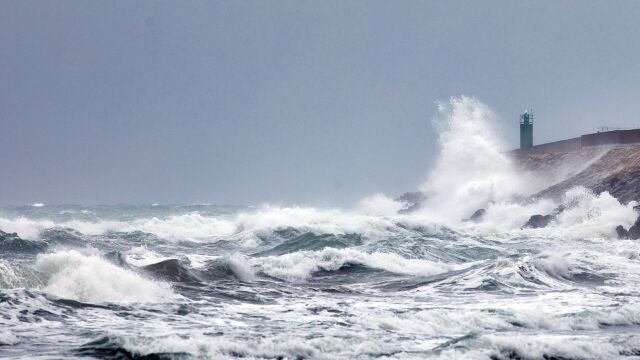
(538, 221)
(477, 216)
(171, 270)
(559, 210)
(622, 232)
(412, 201)
(634, 230)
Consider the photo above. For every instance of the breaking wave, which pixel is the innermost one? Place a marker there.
(92, 279)
(303, 264)
(588, 215)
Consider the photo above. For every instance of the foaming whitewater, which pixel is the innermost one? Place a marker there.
(200, 281)
(91, 278)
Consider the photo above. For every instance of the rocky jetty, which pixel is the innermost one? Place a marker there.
(615, 169)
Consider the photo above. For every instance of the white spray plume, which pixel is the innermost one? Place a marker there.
(472, 169)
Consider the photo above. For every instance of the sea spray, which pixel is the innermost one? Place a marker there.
(472, 169)
(239, 266)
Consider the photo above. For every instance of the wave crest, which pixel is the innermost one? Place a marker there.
(91, 278)
(302, 265)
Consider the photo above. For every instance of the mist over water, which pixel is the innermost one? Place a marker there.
(207, 281)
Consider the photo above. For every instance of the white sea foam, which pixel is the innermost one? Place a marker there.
(554, 265)
(25, 228)
(539, 346)
(590, 214)
(379, 204)
(433, 321)
(197, 227)
(406, 335)
(90, 278)
(239, 265)
(301, 265)
(190, 226)
(17, 276)
(284, 345)
(203, 347)
(7, 338)
(587, 215)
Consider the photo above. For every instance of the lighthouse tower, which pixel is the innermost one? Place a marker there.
(526, 129)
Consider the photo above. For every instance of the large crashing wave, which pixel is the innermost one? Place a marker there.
(91, 278)
(472, 169)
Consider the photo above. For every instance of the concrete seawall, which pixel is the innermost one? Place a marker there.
(614, 137)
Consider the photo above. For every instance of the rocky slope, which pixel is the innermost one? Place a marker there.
(615, 169)
(612, 169)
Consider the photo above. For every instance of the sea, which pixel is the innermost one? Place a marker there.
(365, 281)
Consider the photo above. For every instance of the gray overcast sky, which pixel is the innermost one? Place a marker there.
(287, 101)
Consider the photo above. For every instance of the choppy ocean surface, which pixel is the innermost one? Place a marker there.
(364, 282)
(204, 281)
